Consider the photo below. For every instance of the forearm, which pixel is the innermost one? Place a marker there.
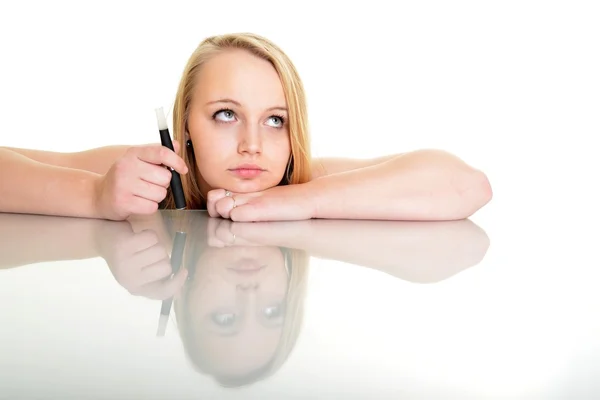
(97, 160)
(29, 239)
(422, 185)
(413, 251)
(28, 186)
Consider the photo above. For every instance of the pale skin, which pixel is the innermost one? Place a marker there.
(236, 307)
(137, 250)
(238, 116)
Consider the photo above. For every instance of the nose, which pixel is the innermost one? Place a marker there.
(250, 140)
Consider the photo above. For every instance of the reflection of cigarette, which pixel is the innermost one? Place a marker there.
(176, 260)
(162, 324)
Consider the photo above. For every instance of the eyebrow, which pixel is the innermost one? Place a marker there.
(239, 105)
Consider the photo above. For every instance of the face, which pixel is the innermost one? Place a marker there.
(238, 124)
(237, 307)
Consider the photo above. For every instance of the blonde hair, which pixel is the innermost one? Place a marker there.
(299, 165)
(296, 263)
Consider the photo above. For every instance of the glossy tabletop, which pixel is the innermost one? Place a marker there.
(179, 305)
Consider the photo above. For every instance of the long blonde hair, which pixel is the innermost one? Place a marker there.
(299, 165)
(296, 263)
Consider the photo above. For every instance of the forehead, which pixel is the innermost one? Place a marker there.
(240, 76)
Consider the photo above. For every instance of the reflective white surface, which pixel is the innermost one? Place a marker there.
(379, 310)
(510, 87)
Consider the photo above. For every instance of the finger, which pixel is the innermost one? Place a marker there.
(174, 285)
(211, 228)
(149, 256)
(149, 191)
(164, 289)
(227, 206)
(176, 146)
(154, 272)
(138, 242)
(224, 235)
(247, 213)
(239, 234)
(212, 197)
(215, 242)
(142, 206)
(224, 206)
(155, 174)
(161, 155)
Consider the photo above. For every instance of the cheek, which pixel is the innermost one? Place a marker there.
(279, 151)
(210, 149)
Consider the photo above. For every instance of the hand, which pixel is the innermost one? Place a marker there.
(279, 203)
(138, 261)
(137, 182)
(226, 233)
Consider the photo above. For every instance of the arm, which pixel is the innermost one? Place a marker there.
(98, 160)
(30, 239)
(413, 251)
(421, 252)
(29, 186)
(420, 185)
(334, 165)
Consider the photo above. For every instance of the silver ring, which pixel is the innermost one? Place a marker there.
(227, 193)
(234, 205)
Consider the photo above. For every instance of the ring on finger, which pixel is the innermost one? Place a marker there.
(227, 193)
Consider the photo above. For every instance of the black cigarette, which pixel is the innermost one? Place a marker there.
(165, 139)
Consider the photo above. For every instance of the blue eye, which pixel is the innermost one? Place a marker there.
(278, 121)
(224, 115)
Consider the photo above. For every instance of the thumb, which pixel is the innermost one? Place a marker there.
(176, 146)
(248, 212)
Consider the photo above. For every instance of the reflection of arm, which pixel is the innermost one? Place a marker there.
(29, 239)
(414, 251)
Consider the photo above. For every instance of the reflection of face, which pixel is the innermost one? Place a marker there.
(238, 123)
(237, 307)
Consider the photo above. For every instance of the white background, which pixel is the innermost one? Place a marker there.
(512, 87)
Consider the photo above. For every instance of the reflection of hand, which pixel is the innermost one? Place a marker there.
(224, 232)
(138, 261)
(220, 234)
(414, 251)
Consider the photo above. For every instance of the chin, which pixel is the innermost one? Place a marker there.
(249, 185)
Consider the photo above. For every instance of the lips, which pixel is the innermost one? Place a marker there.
(248, 167)
(247, 266)
(247, 170)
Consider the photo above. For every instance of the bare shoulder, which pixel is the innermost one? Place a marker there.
(323, 166)
(96, 160)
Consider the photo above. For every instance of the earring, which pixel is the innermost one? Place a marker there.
(189, 143)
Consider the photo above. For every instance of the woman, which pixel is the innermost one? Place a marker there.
(242, 147)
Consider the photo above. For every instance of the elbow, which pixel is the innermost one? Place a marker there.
(476, 194)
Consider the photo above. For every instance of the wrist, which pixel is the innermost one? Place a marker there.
(312, 195)
(95, 195)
